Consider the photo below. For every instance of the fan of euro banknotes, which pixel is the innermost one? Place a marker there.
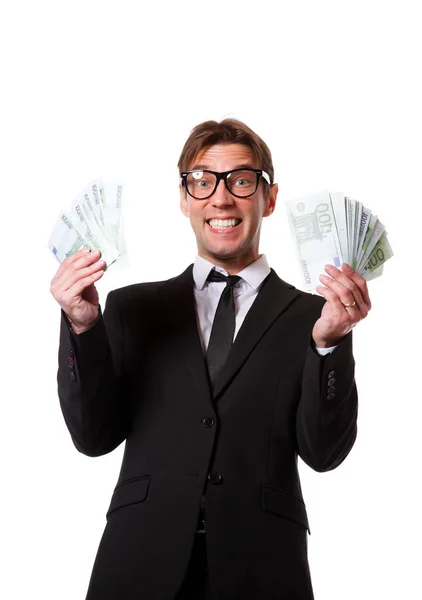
(331, 229)
(93, 220)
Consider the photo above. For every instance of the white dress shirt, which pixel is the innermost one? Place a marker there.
(207, 295)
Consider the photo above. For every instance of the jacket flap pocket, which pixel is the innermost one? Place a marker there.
(130, 492)
(279, 502)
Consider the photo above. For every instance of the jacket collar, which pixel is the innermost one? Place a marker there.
(274, 297)
(254, 274)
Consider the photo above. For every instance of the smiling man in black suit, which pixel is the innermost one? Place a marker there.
(216, 380)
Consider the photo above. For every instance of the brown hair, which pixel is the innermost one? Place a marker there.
(228, 131)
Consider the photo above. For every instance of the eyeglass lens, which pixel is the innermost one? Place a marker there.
(240, 183)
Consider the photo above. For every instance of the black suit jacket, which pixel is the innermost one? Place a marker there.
(139, 375)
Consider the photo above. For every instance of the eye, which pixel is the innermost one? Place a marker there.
(245, 178)
(200, 181)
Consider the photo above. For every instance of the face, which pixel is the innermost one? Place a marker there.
(227, 228)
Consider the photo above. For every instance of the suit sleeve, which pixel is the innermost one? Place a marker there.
(326, 423)
(91, 383)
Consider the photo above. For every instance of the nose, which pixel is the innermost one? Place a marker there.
(222, 196)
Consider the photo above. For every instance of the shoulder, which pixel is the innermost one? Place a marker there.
(306, 298)
(151, 291)
(311, 299)
(303, 306)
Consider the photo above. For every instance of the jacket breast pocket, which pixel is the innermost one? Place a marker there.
(284, 504)
(129, 492)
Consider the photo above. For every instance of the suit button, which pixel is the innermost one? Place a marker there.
(330, 396)
(331, 382)
(331, 374)
(214, 478)
(332, 389)
(72, 376)
(208, 421)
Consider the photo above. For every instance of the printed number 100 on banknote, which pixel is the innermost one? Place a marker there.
(314, 230)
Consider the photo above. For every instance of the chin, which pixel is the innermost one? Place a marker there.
(222, 253)
(226, 255)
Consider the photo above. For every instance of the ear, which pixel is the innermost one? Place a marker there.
(271, 200)
(184, 203)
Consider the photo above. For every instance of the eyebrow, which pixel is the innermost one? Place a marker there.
(207, 168)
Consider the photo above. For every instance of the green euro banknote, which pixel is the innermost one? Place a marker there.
(331, 228)
(93, 220)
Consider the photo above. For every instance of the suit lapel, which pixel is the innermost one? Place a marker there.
(273, 298)
(184, 326)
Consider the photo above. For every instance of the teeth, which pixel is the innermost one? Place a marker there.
(223, 224)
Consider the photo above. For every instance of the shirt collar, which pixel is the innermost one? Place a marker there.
(254, 274)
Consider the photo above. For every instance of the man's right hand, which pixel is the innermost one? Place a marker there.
(73, 288)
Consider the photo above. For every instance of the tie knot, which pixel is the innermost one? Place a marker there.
(230, 280)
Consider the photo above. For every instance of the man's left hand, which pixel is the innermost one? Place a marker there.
(347, 303)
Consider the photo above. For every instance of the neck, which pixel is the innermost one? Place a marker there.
(233, 265)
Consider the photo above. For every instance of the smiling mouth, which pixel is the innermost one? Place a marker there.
(223, 224)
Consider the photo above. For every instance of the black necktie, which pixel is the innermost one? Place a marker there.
(223, 327)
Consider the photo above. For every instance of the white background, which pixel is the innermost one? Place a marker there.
(109, 88)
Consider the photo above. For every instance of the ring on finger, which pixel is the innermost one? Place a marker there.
(349, 305)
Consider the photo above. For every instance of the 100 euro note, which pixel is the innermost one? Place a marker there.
(381, 252)
(94, 220)
(112, 195)
(313, 227)
(65, 239)
(360, 235)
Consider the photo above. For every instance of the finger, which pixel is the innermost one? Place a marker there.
(64, 290)
(345, 294)
(355, 307)
(336, 305)
(87, 258)
(82, 273)
(71, 265)
(360, 282)
(81, 284)
(83, 257)
(346, 288)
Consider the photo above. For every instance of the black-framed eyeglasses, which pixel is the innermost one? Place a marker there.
(242, 183)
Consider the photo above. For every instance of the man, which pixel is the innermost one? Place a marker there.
(208, 503)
